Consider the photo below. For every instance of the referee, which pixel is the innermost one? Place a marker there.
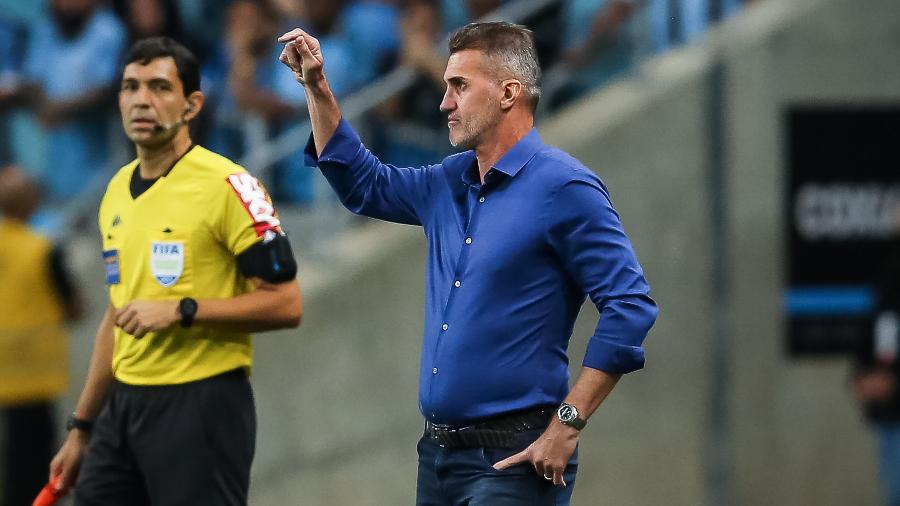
(195, 261)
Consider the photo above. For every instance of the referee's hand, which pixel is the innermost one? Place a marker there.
(67, 462)
(139, 317)
(302, 53)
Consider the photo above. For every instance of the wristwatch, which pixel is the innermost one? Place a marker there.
(568, 414)
(188, 310)
(73, 422)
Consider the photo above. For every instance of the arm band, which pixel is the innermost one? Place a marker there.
(271, 260)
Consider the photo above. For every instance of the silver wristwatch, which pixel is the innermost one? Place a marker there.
(568, 414)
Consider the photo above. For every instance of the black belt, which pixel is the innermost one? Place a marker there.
(491, 433)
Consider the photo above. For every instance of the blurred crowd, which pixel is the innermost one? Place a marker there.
(60, 64)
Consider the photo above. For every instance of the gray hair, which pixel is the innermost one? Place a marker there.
(509, 46)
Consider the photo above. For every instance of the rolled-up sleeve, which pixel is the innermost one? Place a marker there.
(365, 185)
(585, 231)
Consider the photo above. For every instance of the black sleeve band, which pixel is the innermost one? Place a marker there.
(271, 260)
(62, 279)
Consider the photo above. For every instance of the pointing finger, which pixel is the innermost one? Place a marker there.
(518, 458)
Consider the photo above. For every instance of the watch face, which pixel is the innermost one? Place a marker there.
(189, 307)
(567, 413)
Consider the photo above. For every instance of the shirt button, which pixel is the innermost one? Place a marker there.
(468, 240)
(445, 326)
(481, 199)
(457, 284)
(434, 371)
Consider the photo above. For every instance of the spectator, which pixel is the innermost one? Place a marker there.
(10, 78)
(456, 13)
(150, 18)
(347, 71)
(599, 44)
(877, 375)
(412, 135)
(36, 296)
(73, 60)
(249, 107)
(674, 22)
(421, 33)
(203, 23)
(372, 29)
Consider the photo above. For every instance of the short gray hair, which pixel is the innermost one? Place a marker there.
(508, 45)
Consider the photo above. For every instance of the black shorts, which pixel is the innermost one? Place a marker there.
(175, 444)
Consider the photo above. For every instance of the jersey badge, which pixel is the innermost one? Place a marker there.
(256, 202)
(111, 264)
(167, 261)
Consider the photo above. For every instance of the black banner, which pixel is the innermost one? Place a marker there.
(842, 198)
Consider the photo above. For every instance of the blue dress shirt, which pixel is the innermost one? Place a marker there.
(509, 264)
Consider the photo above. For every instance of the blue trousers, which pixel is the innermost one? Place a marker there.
(466, 477)
(889, 461)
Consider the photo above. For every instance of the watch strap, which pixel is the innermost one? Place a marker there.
(578, 423)
(187, 308)
(73, 422)
(572, 421)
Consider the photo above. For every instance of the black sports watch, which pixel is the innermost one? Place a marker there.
(568, 414)
(73, 422)
(188, 310)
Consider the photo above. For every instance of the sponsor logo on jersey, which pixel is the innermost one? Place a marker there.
(111, 264)
(256, 202)
(167, 261)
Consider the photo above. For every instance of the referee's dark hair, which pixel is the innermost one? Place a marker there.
(151, 48)
(510, 48)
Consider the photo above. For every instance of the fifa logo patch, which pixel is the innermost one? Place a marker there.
(256, 202)
(167, 261)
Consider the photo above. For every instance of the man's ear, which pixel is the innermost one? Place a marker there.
(512, 92)
(195, 102)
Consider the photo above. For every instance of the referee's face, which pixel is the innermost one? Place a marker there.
(152, 102)
(472, 99)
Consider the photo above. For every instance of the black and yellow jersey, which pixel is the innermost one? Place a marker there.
(179, 238)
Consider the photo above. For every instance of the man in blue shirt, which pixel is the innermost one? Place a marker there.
(518, 232)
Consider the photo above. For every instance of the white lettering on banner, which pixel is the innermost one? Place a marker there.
(255, 202)
(841, 211)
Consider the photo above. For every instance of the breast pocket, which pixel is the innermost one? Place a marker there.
(170, 263)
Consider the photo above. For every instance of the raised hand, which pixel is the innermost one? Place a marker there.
(302, 53)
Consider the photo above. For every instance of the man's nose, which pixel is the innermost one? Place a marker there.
(447, 103)
(142, 96)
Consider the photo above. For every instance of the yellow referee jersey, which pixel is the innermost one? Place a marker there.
(180, 238)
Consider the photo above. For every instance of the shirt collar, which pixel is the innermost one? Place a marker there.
(511, 162)
(518, 155)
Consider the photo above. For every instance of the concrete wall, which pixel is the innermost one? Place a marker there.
(337, 399)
